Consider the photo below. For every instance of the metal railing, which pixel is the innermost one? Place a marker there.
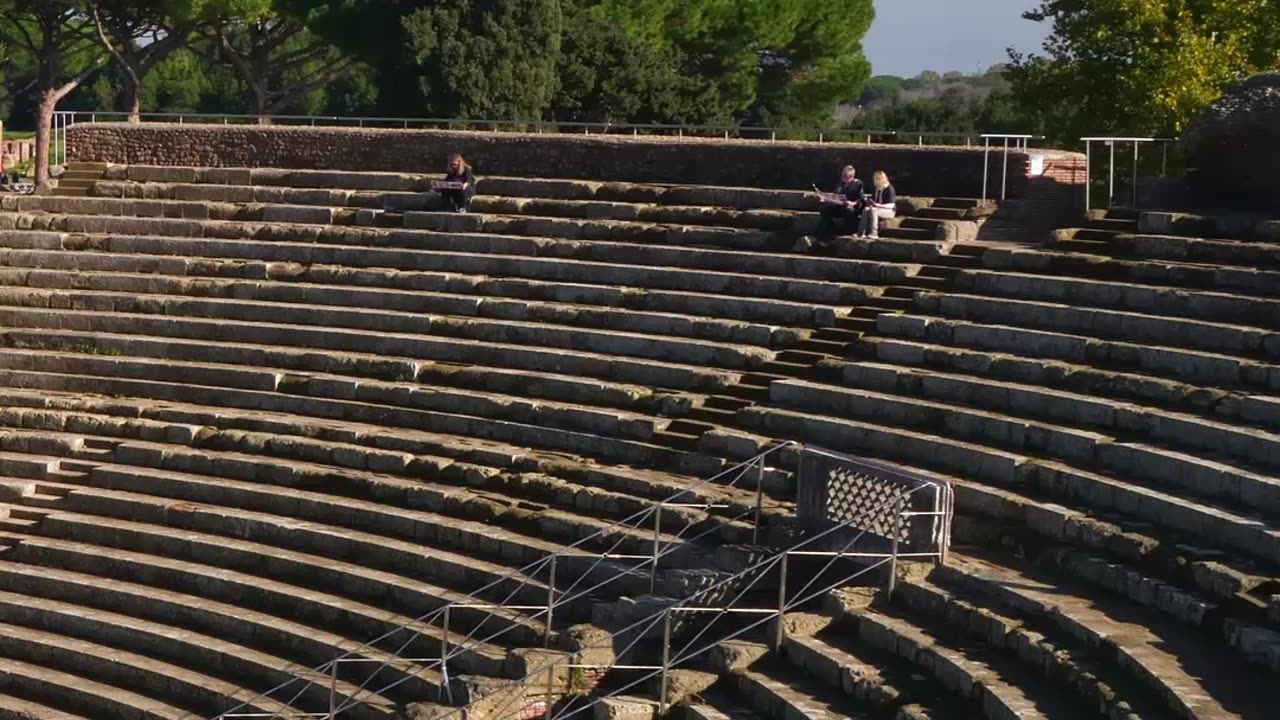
(899, 493)
(507, 610)
(65, 119)
(1112, 142)
(1020, 143)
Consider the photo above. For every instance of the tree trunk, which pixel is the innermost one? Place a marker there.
(133, 97)
(44, 136)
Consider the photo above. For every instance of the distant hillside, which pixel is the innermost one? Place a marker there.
(930, 102)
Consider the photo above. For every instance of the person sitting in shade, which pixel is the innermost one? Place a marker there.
(846, 203)
(882, 204)
(459, 185)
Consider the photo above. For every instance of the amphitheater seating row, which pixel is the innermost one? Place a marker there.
(455, 397)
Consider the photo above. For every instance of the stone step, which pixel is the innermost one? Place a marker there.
(1058, 375)
(1217, 482)
(158, 288)
(81, 695)
(1076, 674)
(782, 693)
(255, 593)
(878, 680)
(417, 395)
(386, 556)
(569, 388)
(94, 607)
(1003, 469)
(1191, 680)
(738, 349)
(16, 708)
(1000, 689)
(634, 256)
(767, 219)
(1127, 296)
(1203, 367)
(789, 277)
(55, 268)
(1222, 439)
(1216, 277)
(1218, 337)
(533, 436)
(1230, 252)
(351, 444)
(428, 359)
(147, 675)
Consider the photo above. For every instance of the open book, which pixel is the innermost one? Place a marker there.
(447, 185)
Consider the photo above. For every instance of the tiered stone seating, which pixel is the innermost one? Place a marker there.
(253, 422)
(1111, 418)
(257, 417)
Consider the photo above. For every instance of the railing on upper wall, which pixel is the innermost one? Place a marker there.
(67, 118)
(1111, 143)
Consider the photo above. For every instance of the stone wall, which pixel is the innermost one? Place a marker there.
(926, 171)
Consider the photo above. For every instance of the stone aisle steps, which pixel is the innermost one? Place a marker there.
(1192, 679)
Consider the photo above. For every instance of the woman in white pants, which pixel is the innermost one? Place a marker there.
(882, 204)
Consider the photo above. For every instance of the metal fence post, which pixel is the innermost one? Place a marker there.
(1134, 189)
(1111, 175)
(780, 630)
(666, 663)
(551, 603)
(986, 166)
(444, 657)
(1088, 167)
(755, 532)
(1004, 174)
(333, 688)
(551, 691)
(657, 531)
(893, 552)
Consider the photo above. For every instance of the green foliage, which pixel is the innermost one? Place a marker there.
(1144, 67)
(952, 103)
(487, 58)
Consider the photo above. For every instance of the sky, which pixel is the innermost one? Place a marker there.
(909, 36)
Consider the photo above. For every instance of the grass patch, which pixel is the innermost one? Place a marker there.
(19, 134)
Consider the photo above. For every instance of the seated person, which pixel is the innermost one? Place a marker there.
(846, 203)
(882, 204)
(458, 199)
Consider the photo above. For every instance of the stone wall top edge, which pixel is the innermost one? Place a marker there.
(622, 140)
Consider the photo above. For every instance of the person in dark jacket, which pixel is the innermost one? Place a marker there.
(882, 204)
(846, 203)
(459, 199)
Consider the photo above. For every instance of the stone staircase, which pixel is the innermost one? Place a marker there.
(255, 418)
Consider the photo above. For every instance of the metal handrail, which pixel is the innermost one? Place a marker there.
(66, 118)
(1111, 142)
(524, 574)
(759, 568)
